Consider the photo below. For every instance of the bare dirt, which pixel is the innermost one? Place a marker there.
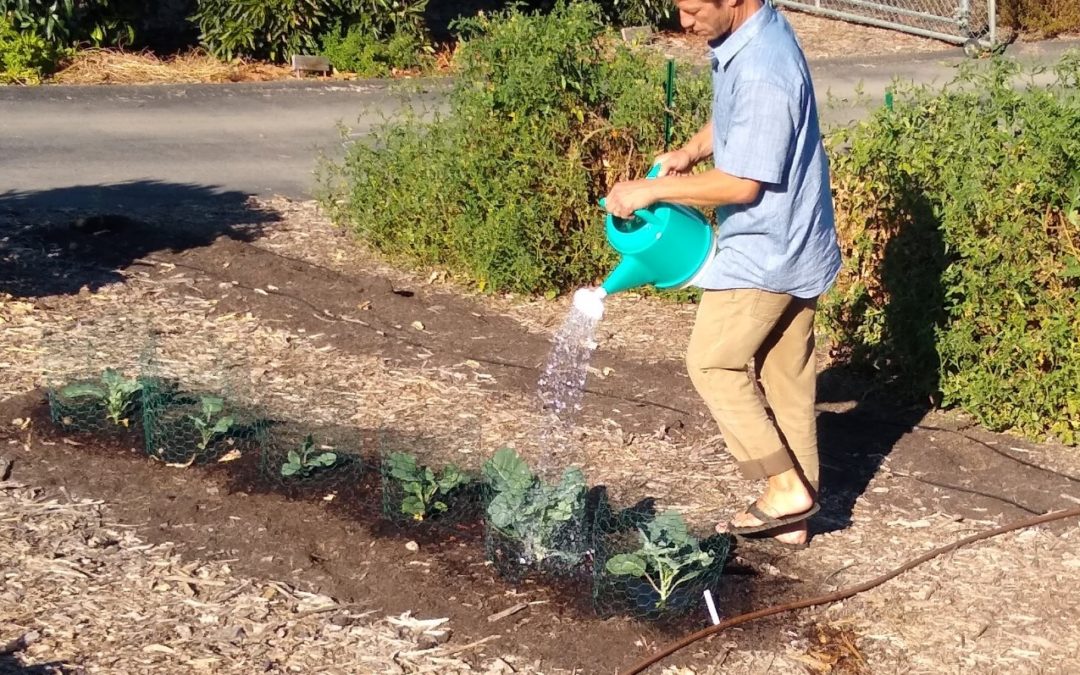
(296, 316)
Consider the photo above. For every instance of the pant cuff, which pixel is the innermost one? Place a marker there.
(770, 465)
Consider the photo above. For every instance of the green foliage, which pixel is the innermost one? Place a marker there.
(271, 29)
(425, 493)
(67, 23)
(275, 29)
(668, 557)
(114, 391)
(959, 215)
(637, 12)
(547, 112)
(24, 55)
(211, 423)
(1046, 18)
(529, 510)
(362, 50)
(303, 461)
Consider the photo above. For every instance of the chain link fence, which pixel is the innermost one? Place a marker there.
(972, 23)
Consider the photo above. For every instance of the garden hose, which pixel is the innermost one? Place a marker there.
(836, 596)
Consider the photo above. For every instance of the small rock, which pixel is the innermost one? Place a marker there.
(432, 639)
(412, 546)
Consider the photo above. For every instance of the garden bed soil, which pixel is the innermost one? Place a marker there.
(222, 512)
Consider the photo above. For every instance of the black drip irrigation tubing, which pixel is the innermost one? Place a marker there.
(664, 652)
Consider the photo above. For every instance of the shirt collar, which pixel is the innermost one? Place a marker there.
(723, 51)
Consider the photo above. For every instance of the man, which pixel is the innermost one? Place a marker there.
(777, 253)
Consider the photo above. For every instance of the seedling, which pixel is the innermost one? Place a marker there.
(303, 461)
(530, 511)
(668, 557)
(425, 493)
(212, 423)
(113, 390)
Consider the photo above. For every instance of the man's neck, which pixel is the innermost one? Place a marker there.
(743, 12)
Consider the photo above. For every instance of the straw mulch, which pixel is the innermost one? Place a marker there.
(87, 592)
(1001, 606)
(110, 66)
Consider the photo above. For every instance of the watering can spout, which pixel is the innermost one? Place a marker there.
(630, 273)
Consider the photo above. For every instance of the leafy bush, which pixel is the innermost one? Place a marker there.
(361, 50)
(67, 23)
(546, 113)
(637, 12)
(959, 214)
(274, 29)
(1046, 18)
(25, 56)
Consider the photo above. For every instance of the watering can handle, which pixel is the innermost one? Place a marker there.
(644, 214)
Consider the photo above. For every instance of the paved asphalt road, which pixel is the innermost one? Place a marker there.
(107, 147)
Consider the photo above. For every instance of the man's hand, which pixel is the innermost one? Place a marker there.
(675, 163)
(629, 196)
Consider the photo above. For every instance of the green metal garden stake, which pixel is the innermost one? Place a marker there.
(888, 100)
(669, 90)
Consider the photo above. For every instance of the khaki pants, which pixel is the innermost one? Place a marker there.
(776, 331)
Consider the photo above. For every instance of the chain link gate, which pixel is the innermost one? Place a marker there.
(972, 23)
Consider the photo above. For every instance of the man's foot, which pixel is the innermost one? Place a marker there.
(786, 503)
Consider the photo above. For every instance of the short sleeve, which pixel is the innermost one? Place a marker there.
(761, 132)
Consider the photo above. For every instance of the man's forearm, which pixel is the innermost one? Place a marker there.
(707, 189)
(700, 145)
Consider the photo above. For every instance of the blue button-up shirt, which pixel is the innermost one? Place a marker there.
(765, 128)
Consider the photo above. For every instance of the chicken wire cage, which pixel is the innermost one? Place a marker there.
(198, 406)
(653, 566)
(536, 522)
(93, 374)
(429, 479)
(299, 459)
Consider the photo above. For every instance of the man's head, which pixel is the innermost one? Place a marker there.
(715, 19)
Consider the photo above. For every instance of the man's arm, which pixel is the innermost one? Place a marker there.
(708, 189)
(699, 147)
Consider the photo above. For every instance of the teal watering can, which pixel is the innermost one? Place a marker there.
(665, 245)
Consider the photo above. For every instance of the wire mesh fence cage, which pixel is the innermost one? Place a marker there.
(104, 403)
(299, 459)
(969, 22)
(198, 408)
(429, 480)
(533, 524)
(186, 426)
(92, 373)
(651, 566)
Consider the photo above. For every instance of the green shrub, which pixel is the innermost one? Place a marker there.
(637, 12)
(24, 56)
(361, 50)
(546, 113)
(68, 23)
(274, 29)
(1046, 18)
(959, 215)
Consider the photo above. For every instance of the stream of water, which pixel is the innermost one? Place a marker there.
(562, 385)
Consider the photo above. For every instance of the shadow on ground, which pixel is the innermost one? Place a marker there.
(12, 665)
(58, 241)
(891, 380)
